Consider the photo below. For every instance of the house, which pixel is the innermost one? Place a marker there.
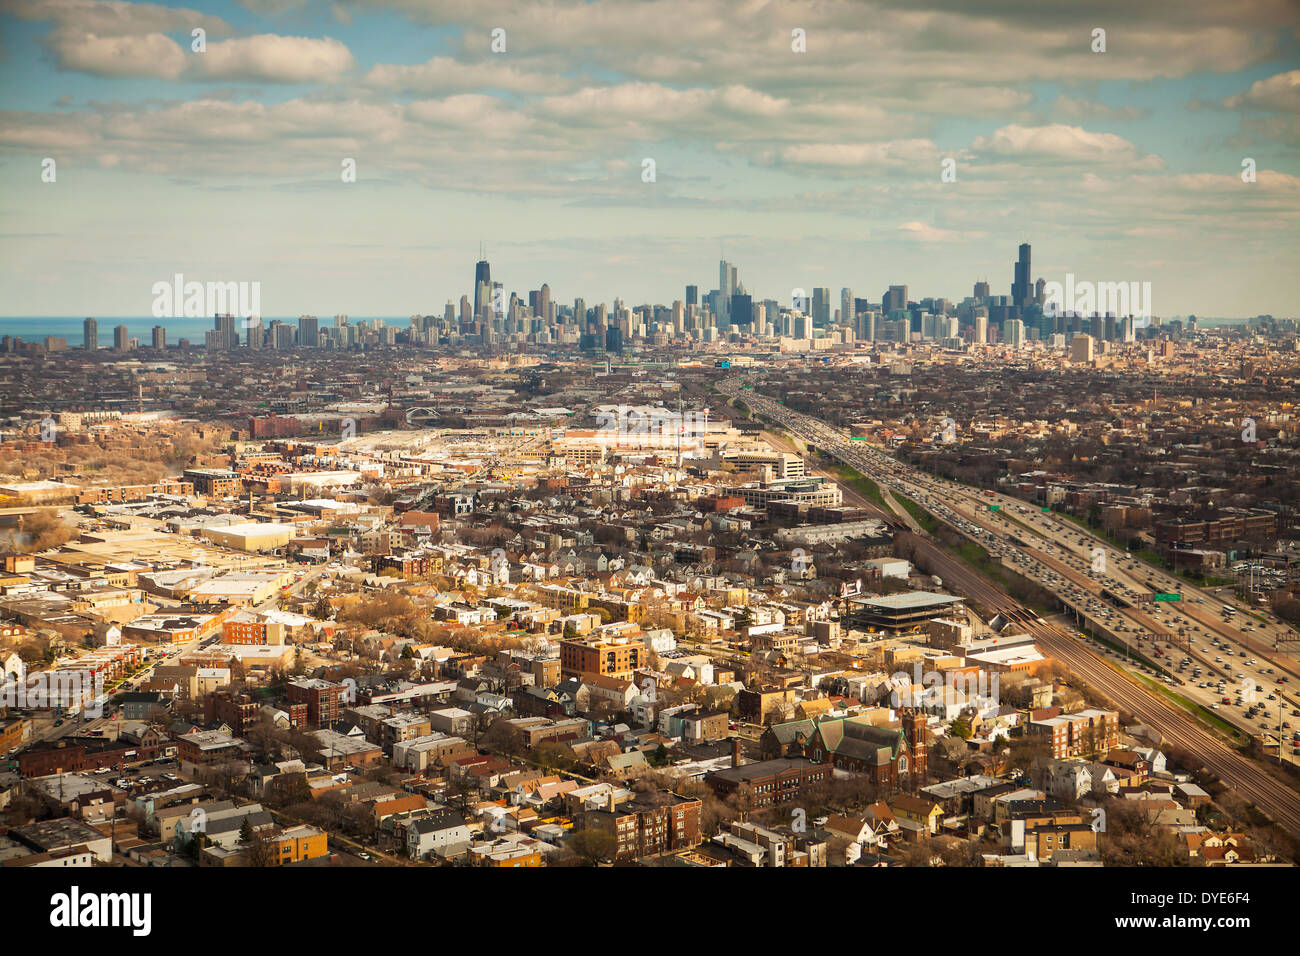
(442, 833)
(923, 812)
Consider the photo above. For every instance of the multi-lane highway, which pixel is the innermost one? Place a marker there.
(1064, 559)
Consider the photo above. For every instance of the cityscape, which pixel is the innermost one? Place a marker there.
(971, 545)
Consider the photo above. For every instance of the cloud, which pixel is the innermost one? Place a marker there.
(152, 54)
(1071, 108)
(1060, 143)
(275, 59)
(1277, 94)
(444, 74)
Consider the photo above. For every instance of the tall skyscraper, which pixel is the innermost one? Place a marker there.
(692, 295)
(544, 303)
(121, 338)
(847, 311)
(981, 290)
(482, 284)
(90, 334)
(981, 329)
(1020, 288)
(159, 337)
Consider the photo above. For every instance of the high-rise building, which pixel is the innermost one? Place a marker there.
(981, 329)
(1020, 294)
(482, 285)
(692, 295)
(895, 298)
(580, 313)
(225, 327)
(847, 311)
(821, 307)
(308, 331)
(1013, 333)
(159, 338)
(1081, 348)
(741, 309)
(544, 303)
(981, 290)
(90, 334)
(121, 338)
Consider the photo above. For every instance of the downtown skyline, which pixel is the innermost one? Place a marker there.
(815, 168)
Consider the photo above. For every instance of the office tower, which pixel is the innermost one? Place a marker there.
(613, 339)
(692, 295)
(601, 318)
(1020, 287)
(1013, 333)
(894, 299)
(847, 311)
(482, 284)
(283, 335)
(1129, 329)
(741, 309)
(821, 307)
(120, 338)
(1040, 291)
(726, 288)
(1109, 334)
(580, 313)
(159, 337)
(90, 334)
(864, 324)
(308, 331)
(679, 317)
(256, 333)
(981, 290)
(544, 301)
(802, 326)
(225, 327)
(981, 329)
(340, 321)
(1081, 348)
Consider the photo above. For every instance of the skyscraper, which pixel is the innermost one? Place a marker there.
(482, 284)
(90, 334)
(847, 311)
(121, 338)
(308, 331)
(821, 307)
(159, 337)
(692, 295)
(1020, 288)
(981, 290)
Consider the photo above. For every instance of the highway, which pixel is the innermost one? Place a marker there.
(1062, 557)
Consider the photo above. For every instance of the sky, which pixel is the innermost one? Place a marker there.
(805, 142)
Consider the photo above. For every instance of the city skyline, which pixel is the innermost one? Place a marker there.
(812, 142)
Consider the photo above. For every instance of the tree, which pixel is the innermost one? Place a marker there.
(593, 846)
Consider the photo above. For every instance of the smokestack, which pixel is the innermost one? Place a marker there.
(611, 799)
(735, 752)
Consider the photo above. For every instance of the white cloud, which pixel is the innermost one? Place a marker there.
(1058, 142)
(275, 59)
